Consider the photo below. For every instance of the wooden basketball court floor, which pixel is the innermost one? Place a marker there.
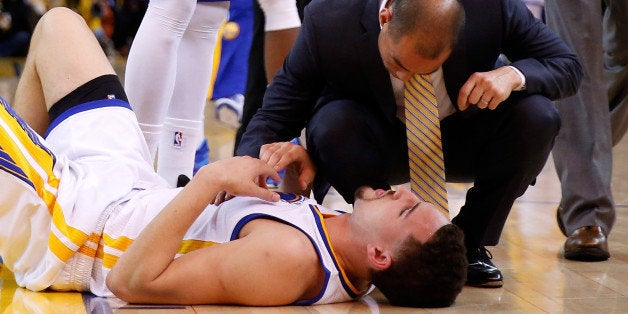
(536, 277)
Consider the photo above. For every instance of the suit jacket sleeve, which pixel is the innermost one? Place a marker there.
(549, 66)
(289, 99)
(495, 27)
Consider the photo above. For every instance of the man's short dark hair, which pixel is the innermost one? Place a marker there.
(429, 274)
(434, 24)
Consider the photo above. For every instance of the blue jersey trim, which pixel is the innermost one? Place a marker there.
(85, 107)
(290, 197)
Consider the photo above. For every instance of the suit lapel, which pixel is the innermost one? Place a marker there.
(454, 70)
(373, 67)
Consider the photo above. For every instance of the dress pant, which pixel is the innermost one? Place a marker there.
(583, 149)
(256, 75)
(501, 151)
(615, 41)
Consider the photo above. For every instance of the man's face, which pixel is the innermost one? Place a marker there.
(393, 215)
(400, 58)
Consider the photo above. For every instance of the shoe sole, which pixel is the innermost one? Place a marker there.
(587, 255)
(490, 284)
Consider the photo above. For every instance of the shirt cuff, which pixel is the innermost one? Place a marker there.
(521, 86)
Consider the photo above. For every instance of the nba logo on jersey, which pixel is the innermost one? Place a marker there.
(178, 139)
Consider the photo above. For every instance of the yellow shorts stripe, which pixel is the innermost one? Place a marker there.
(23, 155)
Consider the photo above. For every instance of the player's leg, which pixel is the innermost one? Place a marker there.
(63, 55)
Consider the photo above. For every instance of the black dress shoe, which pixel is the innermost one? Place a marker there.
(182, 180)
(481, 271)
(587, 244)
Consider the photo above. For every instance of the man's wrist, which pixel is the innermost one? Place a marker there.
(522, 84)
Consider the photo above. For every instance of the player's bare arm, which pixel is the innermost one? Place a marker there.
(238, 176)
(270, 264)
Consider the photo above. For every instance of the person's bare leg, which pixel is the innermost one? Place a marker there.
(277, 44)
(63, 55)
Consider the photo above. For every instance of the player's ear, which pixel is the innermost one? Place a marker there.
(378, 257)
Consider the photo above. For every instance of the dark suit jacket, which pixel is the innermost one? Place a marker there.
(336, 57)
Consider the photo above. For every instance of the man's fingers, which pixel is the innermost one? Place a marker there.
(265, 194)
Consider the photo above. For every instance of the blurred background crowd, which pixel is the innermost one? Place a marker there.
(114, 22)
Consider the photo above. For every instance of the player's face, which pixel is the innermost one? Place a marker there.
(400, 58)
(393, 215)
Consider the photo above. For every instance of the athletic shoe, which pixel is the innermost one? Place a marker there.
(201, 157)
(229, 109)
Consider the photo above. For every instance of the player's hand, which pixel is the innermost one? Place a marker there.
(243, 176)
(221, 197)
(283, 154)
(488, 89)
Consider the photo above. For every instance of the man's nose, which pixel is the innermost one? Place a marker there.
(402, 191)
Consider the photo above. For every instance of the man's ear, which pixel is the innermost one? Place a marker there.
(384, 16)
(379, 258)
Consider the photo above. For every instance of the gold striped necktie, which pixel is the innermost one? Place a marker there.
(425, 152)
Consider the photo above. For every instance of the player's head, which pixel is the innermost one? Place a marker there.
(429, 274)
(416, 256)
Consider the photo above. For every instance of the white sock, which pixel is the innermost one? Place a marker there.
(151, 133)
(177, 145)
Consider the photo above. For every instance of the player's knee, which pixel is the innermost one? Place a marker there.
(58, 19)
(59, 14)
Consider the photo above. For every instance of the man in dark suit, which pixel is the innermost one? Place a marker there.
(343, 79)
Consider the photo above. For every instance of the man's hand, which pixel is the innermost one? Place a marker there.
(488, 89)
(283, 154)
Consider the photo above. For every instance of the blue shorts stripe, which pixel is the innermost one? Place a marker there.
(85, 107)
(7, 164)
